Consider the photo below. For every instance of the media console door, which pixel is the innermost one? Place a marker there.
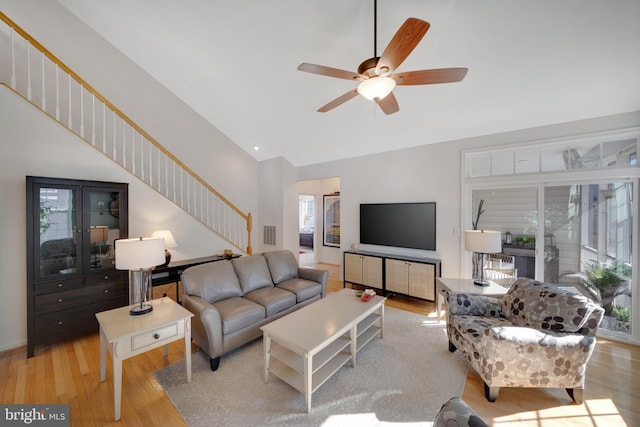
(410, 278)
(363, 270)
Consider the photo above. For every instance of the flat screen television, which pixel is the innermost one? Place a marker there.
(404, 225)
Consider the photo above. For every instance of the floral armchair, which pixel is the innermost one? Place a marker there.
(537, 335)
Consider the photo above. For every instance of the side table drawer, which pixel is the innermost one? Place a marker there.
(154, 337)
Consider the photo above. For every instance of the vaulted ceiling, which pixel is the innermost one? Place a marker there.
(531, 63)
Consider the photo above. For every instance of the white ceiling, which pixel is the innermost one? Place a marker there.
(531, 63)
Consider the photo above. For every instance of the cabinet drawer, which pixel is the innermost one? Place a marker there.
(76, 297)
(72, 322)
(58, 286)
(153, 337)
(109, 276)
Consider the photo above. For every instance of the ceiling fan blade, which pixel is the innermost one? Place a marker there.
(338, 101)
(389, 104)
(430, 77)
(401, 45)
(328, 71)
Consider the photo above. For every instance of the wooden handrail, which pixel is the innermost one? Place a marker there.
(129, 121)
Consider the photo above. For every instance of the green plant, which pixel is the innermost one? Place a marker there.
(528, 242)
(45, 222)
(607, 276)
(621, 313)
(607, 281)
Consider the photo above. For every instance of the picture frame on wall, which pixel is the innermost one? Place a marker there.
(331, 220)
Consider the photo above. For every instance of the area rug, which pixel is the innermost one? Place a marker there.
(403, 378)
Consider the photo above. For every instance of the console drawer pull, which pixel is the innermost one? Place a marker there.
(59, 322)
(156, 335)
(106, 277)
(106, 291)
(59, 299)
(59, 285)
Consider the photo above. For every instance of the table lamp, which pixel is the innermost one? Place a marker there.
(139, 256)
(98, 234)
(169, 242)
(482, 242)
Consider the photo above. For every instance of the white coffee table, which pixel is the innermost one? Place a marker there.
(466, 286)
(305, 348)
(125, 336)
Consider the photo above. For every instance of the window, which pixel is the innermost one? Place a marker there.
(569, 206)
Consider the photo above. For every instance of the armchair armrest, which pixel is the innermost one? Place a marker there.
(473, 305)
(520, 349)
(206, 324)
(316, 275)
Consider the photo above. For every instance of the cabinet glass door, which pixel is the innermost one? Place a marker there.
(57, 228)
(101, 227)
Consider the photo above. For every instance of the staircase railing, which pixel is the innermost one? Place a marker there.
(34, 73)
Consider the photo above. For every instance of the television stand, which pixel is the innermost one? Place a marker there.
(392, 273)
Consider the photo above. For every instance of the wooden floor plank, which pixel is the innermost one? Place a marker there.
(70, 373)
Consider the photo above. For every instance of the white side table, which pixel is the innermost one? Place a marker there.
(466, 286)
(125, 336)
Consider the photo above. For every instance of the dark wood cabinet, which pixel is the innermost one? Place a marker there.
(71, 275)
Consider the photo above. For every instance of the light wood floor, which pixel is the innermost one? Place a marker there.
(70, 373)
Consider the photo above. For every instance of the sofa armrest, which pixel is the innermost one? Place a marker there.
(473, 305)
(206, 324)
(316, 275)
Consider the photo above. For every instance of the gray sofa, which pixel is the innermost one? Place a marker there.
(231, 300)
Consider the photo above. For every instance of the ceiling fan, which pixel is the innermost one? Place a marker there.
(375, 75)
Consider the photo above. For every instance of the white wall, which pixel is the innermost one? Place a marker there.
(278, 205)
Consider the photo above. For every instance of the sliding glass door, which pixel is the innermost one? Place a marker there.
(577, 235)
(592, 227)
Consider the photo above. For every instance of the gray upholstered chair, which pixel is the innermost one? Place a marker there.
(537, 335)
(456, 413)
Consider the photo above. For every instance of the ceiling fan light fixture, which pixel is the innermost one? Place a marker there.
(376, 88)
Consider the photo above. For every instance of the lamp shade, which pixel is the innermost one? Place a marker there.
(169, 241)
(483, 241)
(376, 87)
(140, 253)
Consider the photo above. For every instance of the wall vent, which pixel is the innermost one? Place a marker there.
(269, 235)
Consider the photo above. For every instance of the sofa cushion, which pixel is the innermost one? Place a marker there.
(252, 272)
(274, 300)
(546, 307)
(238, 313)
(213, 281)
(282, 265)
(303, 288)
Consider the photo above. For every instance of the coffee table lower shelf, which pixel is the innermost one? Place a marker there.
(288, 365)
